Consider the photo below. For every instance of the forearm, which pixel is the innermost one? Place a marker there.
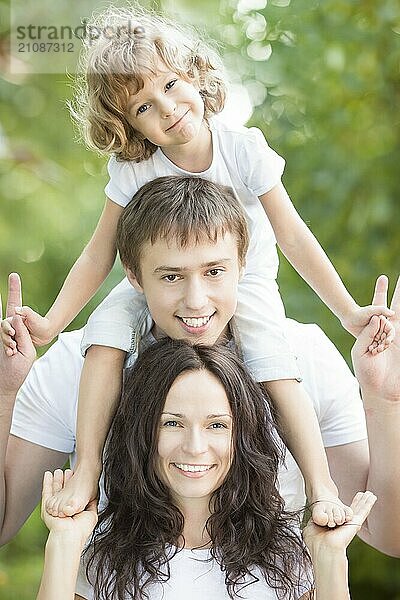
(99, 393)
(6, 410)
(383, 425)
(84, 279)
(309, 259)
(302, 433)
(331, 575)
(61, 563)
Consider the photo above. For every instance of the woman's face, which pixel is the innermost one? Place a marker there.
(195, 437)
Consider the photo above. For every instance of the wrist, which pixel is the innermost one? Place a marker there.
(64, 543)
(325, 554)
(54, 325)
(345, 311)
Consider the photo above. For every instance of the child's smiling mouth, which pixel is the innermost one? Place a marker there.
(177, 122)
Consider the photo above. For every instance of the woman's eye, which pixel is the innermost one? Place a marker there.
(142, 109)
(171, 424)
(218, 426)
(170, 84)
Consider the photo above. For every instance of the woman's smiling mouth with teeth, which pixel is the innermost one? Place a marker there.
(193, 468)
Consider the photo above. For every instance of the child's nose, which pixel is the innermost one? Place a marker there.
(168, 107)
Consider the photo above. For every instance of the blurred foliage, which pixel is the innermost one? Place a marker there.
(323, 77)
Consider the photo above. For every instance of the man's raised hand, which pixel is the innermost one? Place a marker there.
(38, 326)
(379, 372)
(15, 367)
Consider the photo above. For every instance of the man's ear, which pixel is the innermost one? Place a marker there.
(133, 280)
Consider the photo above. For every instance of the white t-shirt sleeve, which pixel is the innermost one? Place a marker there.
(342, 417)
(260, 167)
(122, 184)
(45, 409)
(331, 385)
(116, 321)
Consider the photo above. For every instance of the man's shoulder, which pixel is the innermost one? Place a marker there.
(299, 333)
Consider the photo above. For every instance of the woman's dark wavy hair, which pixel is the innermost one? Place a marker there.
(248, 526)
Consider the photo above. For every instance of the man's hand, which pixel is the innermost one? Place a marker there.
(39, 327)
(15, 368)
(379, 373)
(358, 318)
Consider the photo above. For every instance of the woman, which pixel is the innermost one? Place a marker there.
(193, 508)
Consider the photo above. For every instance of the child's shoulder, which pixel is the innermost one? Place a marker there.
(236, 133)
(131, 169)
(126, 177)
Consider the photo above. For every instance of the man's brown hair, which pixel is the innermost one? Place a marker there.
(186, 209)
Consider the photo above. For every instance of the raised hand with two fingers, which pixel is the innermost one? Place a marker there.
(379, 372)
(38, 326)
(15, 366)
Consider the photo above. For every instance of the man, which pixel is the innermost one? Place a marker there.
(207, 269)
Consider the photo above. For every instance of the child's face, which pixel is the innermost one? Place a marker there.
(168, 111)
(191, 292)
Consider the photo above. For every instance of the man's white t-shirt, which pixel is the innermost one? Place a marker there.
(46, 407)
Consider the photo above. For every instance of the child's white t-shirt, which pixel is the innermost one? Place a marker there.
(241, 160)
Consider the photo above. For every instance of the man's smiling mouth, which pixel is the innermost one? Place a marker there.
(195, 321)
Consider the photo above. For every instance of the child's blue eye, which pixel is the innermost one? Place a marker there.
(170, 84)
(142, 109)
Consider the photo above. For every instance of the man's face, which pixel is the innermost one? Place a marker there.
(191, 292)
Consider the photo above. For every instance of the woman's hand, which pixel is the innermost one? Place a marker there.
(65, 543)
(74, 529)
(323, 539)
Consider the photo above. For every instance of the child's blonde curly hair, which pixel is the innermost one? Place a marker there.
(129, 43)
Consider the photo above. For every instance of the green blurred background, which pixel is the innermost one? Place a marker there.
(323, 78)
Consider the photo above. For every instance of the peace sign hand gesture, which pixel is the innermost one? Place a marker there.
(15, 368)
(379, 373)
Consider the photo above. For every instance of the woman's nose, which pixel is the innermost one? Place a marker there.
(195, 442)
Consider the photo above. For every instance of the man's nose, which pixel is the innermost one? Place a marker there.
(196, 295)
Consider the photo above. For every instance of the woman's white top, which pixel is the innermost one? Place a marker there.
(195, 577)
